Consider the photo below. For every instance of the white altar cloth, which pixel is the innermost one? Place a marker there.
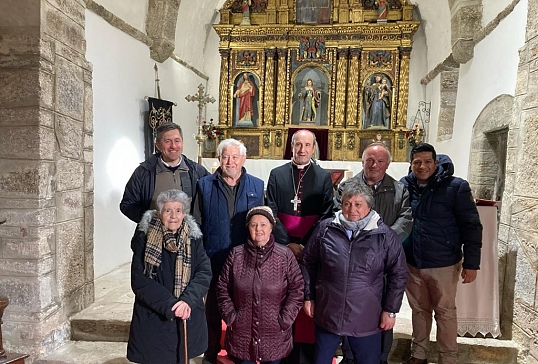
(262, 167)
(478, 302)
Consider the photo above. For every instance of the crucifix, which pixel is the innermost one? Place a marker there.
(202, 98)
(295, 202)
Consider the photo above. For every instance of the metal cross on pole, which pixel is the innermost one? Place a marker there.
(203, 99)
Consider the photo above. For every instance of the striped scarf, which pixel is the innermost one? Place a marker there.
(159, 236)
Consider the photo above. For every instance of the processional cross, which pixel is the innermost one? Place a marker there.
(203, 99)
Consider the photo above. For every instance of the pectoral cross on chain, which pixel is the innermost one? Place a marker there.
(295, 202)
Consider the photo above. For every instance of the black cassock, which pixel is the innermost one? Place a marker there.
(314, 189)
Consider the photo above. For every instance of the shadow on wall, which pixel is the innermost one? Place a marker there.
(508, 264)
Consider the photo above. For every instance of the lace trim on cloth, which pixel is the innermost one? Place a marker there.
(475, 326)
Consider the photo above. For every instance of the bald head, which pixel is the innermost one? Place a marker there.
(303, 144)
(375, 161)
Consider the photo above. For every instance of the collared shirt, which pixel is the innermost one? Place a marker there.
(375, 186)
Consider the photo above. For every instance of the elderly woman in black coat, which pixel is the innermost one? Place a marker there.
(170, 274)
(343, 266)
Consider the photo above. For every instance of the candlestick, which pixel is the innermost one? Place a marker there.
(214, 167)
(348, 174)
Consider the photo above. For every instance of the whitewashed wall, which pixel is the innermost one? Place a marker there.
(122, 75)
(492, 71)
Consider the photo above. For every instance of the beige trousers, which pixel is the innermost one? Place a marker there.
(434, 290)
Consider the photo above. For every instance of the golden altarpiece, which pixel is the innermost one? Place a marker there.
(336, 67)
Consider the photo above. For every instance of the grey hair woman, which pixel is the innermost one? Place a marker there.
(170, 274)
(347, 257)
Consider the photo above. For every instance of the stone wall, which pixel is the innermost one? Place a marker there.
(46, 172)
(518, 231)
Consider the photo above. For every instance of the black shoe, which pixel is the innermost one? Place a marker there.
(346, 361)
(416, 361)
(384, 362)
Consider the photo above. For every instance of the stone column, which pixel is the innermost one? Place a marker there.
(341, 82)
(352, 119)
(281, 87)
(448, 94)
(269, 94)
(224, 87)
(46, 174)
(518, 230)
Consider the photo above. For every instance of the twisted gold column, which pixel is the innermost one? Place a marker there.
(224, 87)
(403, 94)
(352, 118)
(281, 88)
(269, 101)
(341, 82)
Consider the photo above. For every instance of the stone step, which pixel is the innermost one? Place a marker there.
(107, 320)
(470, 350)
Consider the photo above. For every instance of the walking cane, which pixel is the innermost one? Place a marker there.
(186, 356)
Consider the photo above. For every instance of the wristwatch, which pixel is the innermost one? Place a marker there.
(391, 314)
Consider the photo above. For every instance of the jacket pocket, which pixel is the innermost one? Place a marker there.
(253, 200)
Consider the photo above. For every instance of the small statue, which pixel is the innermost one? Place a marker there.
(382, 9)
(3, 304)
(245, 9)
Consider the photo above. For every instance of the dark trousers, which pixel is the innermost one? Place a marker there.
(239, 361)
(386, 345)
(214, 323)
(367, 348)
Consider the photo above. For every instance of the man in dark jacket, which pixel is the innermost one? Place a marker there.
(392, 204)
(445, 219)
(168, 169)
(222, 202)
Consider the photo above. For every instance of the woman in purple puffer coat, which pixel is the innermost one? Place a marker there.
(260, 292)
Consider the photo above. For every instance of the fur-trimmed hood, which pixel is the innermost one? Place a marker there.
(195, 232)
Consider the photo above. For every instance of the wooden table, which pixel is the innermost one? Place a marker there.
(13, 358)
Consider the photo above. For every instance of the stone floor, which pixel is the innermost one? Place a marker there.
(100, 331)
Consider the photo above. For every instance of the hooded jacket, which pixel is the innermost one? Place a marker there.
(445, 219)
(344, 276)
(156, 335)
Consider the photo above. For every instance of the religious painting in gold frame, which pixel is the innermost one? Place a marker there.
(246, 110)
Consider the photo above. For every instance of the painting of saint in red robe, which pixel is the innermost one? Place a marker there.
(246, 100)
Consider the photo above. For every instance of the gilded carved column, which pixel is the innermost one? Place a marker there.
(353, 89)
(281, 88)
(224, 87)
(341, 82)
(269, 101)
(403, 94)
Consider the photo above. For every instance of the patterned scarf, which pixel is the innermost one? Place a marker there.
(159, 236)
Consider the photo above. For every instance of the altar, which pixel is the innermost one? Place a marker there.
(337, 68)
(262, 167)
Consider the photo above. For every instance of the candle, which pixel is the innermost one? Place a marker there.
(214, 167)
(348, 174)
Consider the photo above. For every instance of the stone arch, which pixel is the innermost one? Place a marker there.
(488, 148)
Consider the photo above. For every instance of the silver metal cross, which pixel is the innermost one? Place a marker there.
(295, 202)
(202, 98)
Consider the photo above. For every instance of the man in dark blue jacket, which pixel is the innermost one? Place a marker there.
(222, 202)
(445, 219)
(166, 170)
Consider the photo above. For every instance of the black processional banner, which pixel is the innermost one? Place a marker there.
(160, 112)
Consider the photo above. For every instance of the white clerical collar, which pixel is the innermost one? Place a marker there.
(301, 166)
(171, 166)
